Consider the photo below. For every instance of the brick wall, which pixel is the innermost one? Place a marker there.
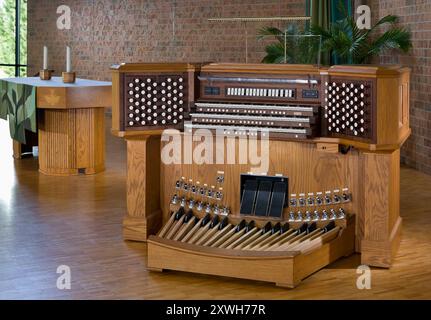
(105, 32)
(415, 15)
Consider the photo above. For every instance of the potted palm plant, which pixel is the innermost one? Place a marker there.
(344, 40)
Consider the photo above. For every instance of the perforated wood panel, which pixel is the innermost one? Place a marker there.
(348, 108)
(156, 101)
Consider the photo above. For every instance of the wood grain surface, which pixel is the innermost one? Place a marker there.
(71, 141)
(46, 221)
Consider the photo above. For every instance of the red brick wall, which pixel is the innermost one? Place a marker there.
(415, 15)
(105, 32)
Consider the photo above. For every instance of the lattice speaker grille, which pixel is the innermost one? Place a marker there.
(155, 100)
(348, 108)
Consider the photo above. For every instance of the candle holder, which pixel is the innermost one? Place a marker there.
(69, 77)
(45, 74)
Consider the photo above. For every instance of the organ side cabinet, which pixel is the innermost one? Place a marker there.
(331, 186)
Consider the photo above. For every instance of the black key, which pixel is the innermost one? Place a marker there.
(331, 225)
(285, 227)
(205, 220)
(276, 228)
(302, 228)
(189, 216)
(214, 222)
(267, 227)
(250, 226)
(311, 227)
(179, 214)
(240, 226)
(223, 223)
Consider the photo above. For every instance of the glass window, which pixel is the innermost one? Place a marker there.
(12, 61)
(7, 71)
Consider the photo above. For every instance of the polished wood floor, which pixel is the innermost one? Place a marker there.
(50, 221)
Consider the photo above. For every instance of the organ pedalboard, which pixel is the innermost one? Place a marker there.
(284, 225)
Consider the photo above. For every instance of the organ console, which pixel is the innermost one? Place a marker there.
(332, 183)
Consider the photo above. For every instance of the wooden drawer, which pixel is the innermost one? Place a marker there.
(285, 269)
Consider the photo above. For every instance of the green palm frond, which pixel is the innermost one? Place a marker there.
(389, 19)
(391, 39)
(274, 53)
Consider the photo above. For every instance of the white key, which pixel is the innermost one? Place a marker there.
(242, 91)
(277, 92)
(247, 92)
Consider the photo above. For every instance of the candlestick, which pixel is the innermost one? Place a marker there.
(45, 74)
(68, 60)
(45, 58)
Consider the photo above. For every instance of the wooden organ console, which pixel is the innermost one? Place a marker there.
(332, 183)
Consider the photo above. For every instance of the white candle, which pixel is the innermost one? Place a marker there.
(68, 60)
(45, 58)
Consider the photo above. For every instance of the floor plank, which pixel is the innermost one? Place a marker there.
(50, 221)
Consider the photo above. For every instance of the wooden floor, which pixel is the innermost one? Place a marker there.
(50, 221)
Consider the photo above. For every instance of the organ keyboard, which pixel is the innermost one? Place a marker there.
(283, 106)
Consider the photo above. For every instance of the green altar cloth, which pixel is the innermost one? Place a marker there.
(18, 104)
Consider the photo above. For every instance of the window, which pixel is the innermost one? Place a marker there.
(13, 38)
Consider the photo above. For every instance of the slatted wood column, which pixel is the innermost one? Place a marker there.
(71, 141)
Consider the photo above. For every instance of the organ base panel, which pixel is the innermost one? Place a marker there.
(331, 186)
